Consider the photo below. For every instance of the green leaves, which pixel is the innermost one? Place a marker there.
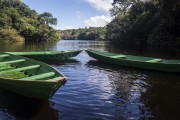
(10, 35)
(25, 23)
(48, 19)
(92, 33)
(145, 23)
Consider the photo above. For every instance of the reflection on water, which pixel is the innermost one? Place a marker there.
(13, 106)
(12, 46)
(29, 46)
(127, 86)
(79, 44)
(163, 96)
(97, 91)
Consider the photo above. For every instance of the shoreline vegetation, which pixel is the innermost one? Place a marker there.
(19, 23)
(145, 24)
(91, 33)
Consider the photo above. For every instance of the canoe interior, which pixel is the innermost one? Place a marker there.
(16, 67)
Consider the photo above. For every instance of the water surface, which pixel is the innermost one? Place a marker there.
(96, 91)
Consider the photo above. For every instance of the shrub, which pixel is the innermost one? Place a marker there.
(10, 35)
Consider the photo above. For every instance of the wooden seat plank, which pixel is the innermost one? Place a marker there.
(154, 60)
(118, 56)
(13, 61)
(21, 69)
(40, 76)
(4, 55)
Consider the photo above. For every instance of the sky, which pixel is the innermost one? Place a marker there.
(74, 14)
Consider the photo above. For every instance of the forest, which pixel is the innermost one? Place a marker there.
(91, 33)
(145, 23)
(19, 23)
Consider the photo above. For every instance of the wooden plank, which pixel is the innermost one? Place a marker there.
(154, 60)
(21, 69)
(118, 56)
(13, 61)
(4, 55)
(40, 76)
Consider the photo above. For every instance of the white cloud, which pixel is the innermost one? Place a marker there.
(98, 21)
(101, 5)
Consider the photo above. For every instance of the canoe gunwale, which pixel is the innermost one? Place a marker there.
(43, 52)
(49, 57)
(38, 81)
(140, 61)
(145, 61)
(158, 66)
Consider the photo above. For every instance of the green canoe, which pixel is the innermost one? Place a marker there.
(48, 56)
(29, 77)
(136, 61)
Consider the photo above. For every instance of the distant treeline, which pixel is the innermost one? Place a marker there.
(145, 23)
(92, 33)
(18, 23)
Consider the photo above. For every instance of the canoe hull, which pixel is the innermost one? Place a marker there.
(48, 57)
(38, 89)
(175, 68)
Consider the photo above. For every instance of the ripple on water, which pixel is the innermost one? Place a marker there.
(100, 92)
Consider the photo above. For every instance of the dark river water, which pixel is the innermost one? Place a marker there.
(97, 91)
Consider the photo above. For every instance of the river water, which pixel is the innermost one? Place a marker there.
(96, 91)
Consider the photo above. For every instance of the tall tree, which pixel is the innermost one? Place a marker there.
(48, 19)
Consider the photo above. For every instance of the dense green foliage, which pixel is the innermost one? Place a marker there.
(92, 33)
(10, 35)
(25, 23)
(145, 23)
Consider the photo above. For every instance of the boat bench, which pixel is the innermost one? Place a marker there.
(40, 76)
(4, 55)
(6, 67)
(118, 56)
(21, 69)
(154, 60)
(13, 61)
